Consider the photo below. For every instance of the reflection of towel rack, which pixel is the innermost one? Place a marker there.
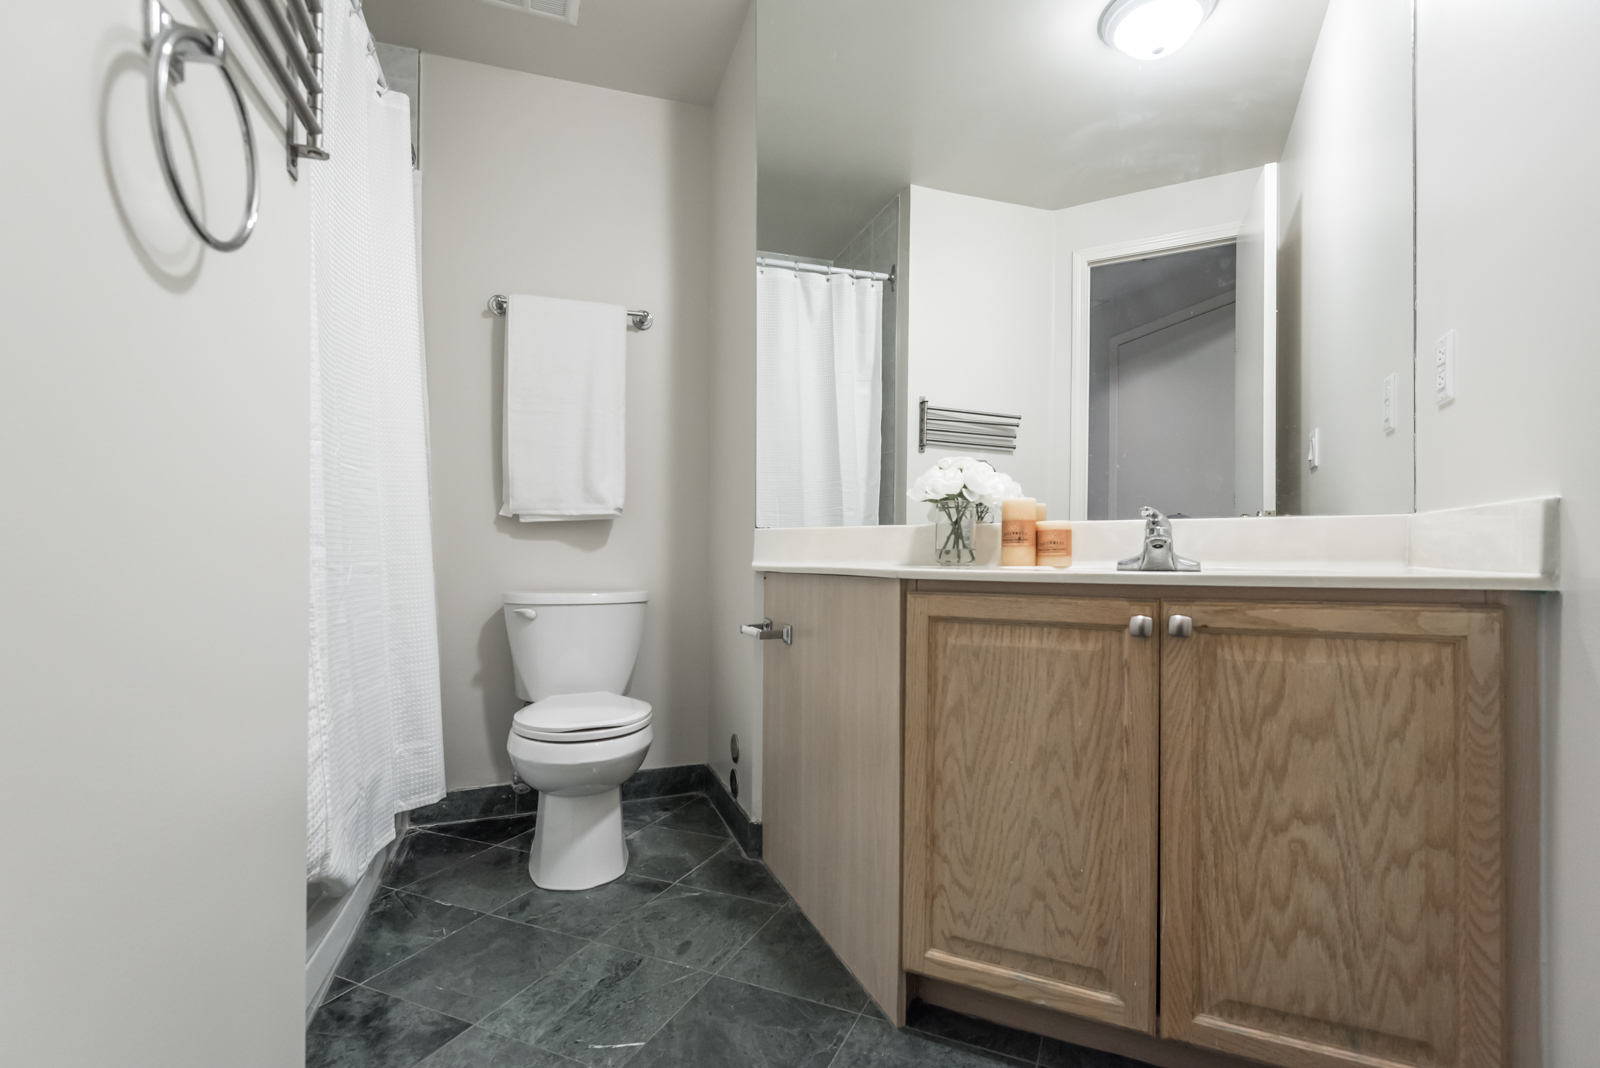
(641, 320)
(989, 431)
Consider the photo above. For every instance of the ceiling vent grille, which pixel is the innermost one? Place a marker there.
(565, 10)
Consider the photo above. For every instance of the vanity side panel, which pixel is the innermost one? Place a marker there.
(1524, 799)
(831, 760)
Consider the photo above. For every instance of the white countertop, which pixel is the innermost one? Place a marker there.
(1509, 546)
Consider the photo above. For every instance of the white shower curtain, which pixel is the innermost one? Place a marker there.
(375, 743)
(819, 398)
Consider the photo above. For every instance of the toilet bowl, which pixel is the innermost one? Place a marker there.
(579, 738)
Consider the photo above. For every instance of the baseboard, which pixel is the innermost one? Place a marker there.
(475, 803)
(745, 831)
(485, 802)
(665, 782)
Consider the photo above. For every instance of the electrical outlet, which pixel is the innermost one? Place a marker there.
(1390, 386)
(1314, 453)
(1444, 369)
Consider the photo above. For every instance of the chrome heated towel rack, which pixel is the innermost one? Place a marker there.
(298, 26)
(989, 431)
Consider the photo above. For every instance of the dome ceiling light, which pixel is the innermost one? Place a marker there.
(1152, 29)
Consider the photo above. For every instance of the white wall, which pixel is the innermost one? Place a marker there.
(1201, 204)
(153, 459)
(1345, 268)
(980, 309)
(735, 589)
(534, 185)
(1507, 149)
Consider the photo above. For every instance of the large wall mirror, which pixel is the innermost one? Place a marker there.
(1152, 252)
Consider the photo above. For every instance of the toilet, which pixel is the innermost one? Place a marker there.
(578, 738)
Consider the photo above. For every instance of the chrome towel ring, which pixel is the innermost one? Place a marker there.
(175, 45)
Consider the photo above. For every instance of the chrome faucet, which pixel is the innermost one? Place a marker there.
(1158, 554)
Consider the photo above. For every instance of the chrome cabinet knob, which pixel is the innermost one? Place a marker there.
(1141, 626)
(1180, 626)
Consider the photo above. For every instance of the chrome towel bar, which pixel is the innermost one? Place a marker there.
(641, 320)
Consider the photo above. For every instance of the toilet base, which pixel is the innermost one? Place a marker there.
(577, 841)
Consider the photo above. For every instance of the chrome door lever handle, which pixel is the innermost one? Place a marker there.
(767, 632)
(1141, 626)
(1180, 626)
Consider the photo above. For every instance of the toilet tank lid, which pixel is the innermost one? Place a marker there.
(568, 597)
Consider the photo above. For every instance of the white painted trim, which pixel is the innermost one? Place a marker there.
(1269, 342)
(1083, 261)
(332, 934)
(1210, 304)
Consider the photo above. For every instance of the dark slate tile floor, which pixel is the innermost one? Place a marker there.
(696, 958)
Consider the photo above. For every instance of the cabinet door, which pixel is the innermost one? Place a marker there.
(831, 766)
(1030, 822)
(1331, 826)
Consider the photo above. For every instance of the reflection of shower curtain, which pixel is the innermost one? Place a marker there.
(375, 746)
(819, 398)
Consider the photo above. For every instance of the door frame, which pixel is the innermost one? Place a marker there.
(1084, 260)
(1210, 304)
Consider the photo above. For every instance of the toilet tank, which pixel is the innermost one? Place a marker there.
(573, 642)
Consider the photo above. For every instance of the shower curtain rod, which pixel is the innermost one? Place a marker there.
(822, 268)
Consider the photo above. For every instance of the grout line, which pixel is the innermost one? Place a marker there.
(790, 994)
(418, 1004)
(450, 867)
(653, 897)
(476, 917)
(697, 867)
(651, 1036)
(845, 1040)
(548, 972)
(396, 964)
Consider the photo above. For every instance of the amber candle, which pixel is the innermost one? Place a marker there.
(1053, 542)
(1018, 517)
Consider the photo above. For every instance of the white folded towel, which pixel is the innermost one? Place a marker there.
(566, 366)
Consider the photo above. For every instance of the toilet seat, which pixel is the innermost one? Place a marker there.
(581, 717)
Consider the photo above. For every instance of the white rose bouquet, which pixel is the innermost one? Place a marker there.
(963, 491)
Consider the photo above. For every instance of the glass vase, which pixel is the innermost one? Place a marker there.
(954, 526)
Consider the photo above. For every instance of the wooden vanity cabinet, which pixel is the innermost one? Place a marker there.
(1323, 785)
(1331, 798)
(1030, 801)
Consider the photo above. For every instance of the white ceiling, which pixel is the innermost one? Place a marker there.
(1014, 100)
(676, 49)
